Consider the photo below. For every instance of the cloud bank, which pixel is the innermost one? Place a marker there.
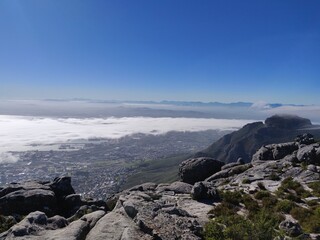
(18, 133)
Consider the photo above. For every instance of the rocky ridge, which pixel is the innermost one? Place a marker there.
(247, 140)
(281, 177)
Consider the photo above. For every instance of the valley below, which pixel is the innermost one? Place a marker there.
(99, 167)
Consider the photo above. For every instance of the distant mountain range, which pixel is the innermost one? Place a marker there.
(180, 103)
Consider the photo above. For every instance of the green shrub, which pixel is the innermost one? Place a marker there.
(261, 194)
(246, 181)
(236, 227)
(269, 202)
(265, 223)
(251, 205)
(292, 197)
(308, 219)
(213, 231)
(312, 203)
(285, 190)
(285, 206)
(289, 183)
(275, 177)
(6, 222)
(315, 186)
(224, 209)
(231, 197)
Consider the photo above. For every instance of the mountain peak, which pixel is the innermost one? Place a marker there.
(287, 121)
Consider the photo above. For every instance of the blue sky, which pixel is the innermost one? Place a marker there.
(154, 50)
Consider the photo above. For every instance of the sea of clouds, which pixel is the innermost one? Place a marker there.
(19, 133)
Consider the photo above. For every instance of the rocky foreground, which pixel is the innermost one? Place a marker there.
(275, 196)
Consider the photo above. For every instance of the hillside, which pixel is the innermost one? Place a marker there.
(246, 141)
(276, 196)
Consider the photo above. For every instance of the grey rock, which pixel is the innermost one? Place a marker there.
(274, 151)
(291, 228)
(204, 190)
(197, 169)
(33, 222)
(229, 172)
(240, 161)
(62, 186)
(144, 187)
(130, 209)
(305, 138)
(312, 168)
(309, 154)
(57, 222)
(230, 165)
(26, 200)
(176, 187)
(116, 225)
(37, 226)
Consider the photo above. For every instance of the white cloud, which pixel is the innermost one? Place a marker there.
(260, 105)
(311, 112)
(6, 157)
(18, 133)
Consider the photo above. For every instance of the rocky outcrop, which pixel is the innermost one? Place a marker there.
(274, 151)
(247, 140)
(197, 169)
(149, 211)
(152, 214)
(37, 226)
(57, 197)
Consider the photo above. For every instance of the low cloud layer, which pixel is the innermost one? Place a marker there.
(17, 133)
(311, 112)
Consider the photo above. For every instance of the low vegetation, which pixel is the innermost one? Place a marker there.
(292, 190)
(6, 222)
(315, 186)
(259, 223)
(309, 219)
(242, 216)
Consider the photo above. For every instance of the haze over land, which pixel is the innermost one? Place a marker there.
(42, 125)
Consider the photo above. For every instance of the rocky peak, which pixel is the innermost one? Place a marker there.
(247, 140)
(287, 122)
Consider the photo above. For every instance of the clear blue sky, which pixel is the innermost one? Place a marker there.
(168, 49)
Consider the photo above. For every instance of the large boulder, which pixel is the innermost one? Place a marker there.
(62, 186)
(27, 197)
(204, 190)
(52, 198)
(309, 154)
(198, 169)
